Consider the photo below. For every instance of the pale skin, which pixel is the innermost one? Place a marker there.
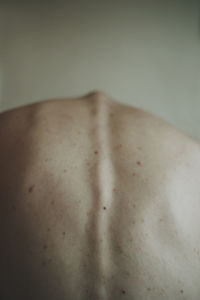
(100, 201)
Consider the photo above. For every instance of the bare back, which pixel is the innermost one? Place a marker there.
(99, 201)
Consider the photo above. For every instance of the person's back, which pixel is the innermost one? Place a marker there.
(99, 200)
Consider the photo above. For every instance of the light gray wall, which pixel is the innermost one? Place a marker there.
(143, 53)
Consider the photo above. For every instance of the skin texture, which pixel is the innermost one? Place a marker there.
(98, 200)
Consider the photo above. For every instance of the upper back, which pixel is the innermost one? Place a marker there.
(98, 185)
(89, 128)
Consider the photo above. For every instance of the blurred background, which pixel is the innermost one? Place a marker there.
(142, 53)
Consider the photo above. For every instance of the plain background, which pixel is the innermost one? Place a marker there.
(142, 53)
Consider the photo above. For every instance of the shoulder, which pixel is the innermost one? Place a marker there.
(47, 122)
(31, 134)
(129, 118)
(138, 127)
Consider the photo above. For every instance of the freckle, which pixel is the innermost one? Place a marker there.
(63, 233)
(118, 146)
(134, 205)
(148, 289)
(104, 207)
(139, 148)
(133, 222)
(65, 171)
(31, 188)
(43, 263)
(181, 291)
(139, 163)
(94, 112)
(13, 207)
(161, 220)
(133, 174)
(123, 292)
(48, 229)
(88, 163)
(111, 114)
(52, 202)
(114, 189)
(69, 116)
(96, 152)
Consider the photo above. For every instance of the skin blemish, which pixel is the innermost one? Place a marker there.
(134, 205)
(94, 111)
(63, 233)
(13, 207)
(181, 291)
(114, 190)
(31, 188)
(149, 289)
(44, 246)
(30, 252)
(133, 222)
(123, 292)
(44, 264)
(161, 220)
(48, 229)
(139, 163)
(52, 202)
(111, 114)
(142, 220)
(67, 116)
(118, 146)
(104, 207)
(96, 152)
(64, 170)
(88, 163)
(133, 174)
(139, 148)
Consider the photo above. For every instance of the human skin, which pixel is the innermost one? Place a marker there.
(98, 200)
